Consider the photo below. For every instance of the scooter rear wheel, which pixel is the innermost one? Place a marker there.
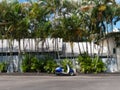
(71, 73)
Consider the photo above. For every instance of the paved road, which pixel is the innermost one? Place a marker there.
(59, 82)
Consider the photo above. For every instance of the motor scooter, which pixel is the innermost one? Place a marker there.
(60, 71)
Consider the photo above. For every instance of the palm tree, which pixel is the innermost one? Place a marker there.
(39, 17)
(70, 24)
(2, 33)
(18, 26)
(3, 23)
(103, 14)
(4, 8)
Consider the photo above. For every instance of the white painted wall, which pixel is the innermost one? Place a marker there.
(104, 44)
(113, 64)
(29, 45)
(92, 48)
(118, 57)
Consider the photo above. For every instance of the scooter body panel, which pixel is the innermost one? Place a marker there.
(60, 71)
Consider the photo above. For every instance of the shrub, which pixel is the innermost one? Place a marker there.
(89, 65)
(50, 66)
(99, 66)
(40, 65)
(32, 64)
(26, 63)
(3, 67)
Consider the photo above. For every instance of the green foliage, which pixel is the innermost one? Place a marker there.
(99, 66)
(26, 63)
(65, 62)
(32, 64)
(89, 65)
(40, 65)
(50, 66)
(76, 22)
(3, 67)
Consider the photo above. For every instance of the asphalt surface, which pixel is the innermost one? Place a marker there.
(9, 82)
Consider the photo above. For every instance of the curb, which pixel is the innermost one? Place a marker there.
(46, 74)
(26, 74)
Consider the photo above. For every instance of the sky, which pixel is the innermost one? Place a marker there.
(21, 0)
(24, 0)
(117, 25)
(118, 1)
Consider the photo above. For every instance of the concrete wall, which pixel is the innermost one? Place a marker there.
(29, 45)
(13, 62)
(113, 62)
(118, 57)
(92, 48)
(107, 45)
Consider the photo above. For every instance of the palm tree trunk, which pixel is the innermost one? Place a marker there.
(19, 55)
(86, 47)
(53, 42)
(43, 42)
(102, 49)
(79, 48)
(10, 67)
(108, 45)
(29, 40)
(2, 48)
(108, 48)
(72, 51)
(58, 49)
(36, 45)
(83, 47)
(91, 49)
(47, 46)
(24, 47)
(55, 49)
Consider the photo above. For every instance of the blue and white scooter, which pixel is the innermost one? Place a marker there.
(60, 71)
